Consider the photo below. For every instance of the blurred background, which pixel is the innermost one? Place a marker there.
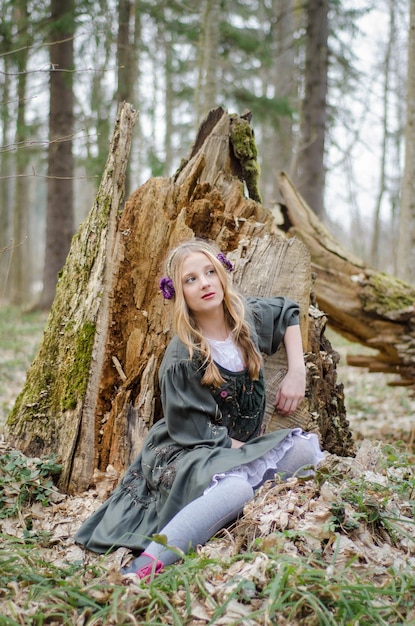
(327, 82)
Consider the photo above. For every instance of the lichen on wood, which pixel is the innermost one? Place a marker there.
(387, 296)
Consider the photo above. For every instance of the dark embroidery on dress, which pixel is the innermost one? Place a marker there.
(167, 476)
(163, 453)
(133, 486)
(241, 404)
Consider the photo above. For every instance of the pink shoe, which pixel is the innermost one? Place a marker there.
(146, 572)
(151, 569)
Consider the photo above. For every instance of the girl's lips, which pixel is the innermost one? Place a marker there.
(208, 295)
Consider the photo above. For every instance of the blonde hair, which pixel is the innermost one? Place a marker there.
(185, 324)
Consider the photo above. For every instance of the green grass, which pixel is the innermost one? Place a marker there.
(301, 585)
(377, 408)
(20, 334)
(285, 577)
(295, 591)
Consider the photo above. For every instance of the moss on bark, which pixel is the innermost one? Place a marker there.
(387, 295)
(245, 149)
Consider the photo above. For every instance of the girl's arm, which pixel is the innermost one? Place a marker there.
(292, 388)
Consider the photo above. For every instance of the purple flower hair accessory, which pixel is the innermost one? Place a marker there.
(222, 258)
(167, 288)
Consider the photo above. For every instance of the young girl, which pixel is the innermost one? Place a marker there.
(201, 464)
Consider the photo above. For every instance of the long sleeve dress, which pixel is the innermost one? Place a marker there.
(191, 445)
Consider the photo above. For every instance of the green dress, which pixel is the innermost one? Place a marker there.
(192, 443)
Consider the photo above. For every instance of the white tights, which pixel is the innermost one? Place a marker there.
(199, 520)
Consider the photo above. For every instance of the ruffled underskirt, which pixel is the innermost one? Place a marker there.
(255, 471)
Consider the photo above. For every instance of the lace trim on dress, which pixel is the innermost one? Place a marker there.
(227, 354)
(254, 471)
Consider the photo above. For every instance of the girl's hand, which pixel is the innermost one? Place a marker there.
(292, 388)
(291, 391)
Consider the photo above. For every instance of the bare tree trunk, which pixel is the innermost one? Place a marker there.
(169, 101)
(310, 174)
(128, 20)
(125, 55)
(406, 245)
(206, 90)
(98, 396)
(375, 244)
(276, 147)
(59, 216)
(5, 169)
(19, 283)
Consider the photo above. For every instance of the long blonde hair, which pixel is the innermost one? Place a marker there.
(185, 324)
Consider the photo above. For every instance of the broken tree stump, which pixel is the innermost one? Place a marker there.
(120, 398)
(59, 396)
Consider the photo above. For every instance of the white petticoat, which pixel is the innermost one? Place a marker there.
(254, 471)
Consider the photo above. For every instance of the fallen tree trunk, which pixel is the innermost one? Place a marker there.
(118, 399)
(365, 306)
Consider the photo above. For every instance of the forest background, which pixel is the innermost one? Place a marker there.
(328, 83)
(331, 88)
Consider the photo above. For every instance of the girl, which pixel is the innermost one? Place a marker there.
(203, 462)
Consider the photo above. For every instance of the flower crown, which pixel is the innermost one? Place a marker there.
(166, 284)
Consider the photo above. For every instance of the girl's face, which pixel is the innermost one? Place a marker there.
(202, 288)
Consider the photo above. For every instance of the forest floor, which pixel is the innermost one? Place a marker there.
(378, 414)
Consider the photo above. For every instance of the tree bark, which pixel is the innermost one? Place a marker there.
(208, 58)
(19, 274)
(284, 79)
(131, 323)
(267, 268)
(365, 306)
(59, 214)
(310, 172)
(127, 61)
(5, 164)
(406, 243)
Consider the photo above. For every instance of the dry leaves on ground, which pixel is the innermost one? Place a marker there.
(299, 518)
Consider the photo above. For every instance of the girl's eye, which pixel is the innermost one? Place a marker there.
(212, 271)
(190, 279)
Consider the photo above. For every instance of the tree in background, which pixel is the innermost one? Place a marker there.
(176, 59)
(20, 264)
(406, 244)
(207, 59)
(126, 66)
(284, 76)
(365, 130)
(247, 60)
(127, 60)
(386, 63)
(6, 46)
(59, 220)
(97, 89)
(310, 176)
